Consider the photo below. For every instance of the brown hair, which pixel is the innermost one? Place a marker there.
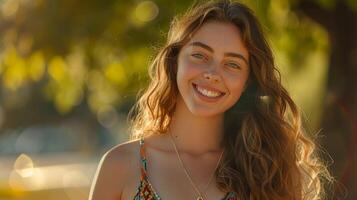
(268, 155)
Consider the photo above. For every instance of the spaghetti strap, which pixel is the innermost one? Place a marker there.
(145, 190)
(143, 159)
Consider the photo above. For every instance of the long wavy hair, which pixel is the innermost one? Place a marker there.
(268, 155)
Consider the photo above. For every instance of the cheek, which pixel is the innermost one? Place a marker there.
(187, 70)
(236, 89)
(236, 84)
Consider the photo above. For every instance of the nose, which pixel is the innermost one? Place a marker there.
(212, 73)
(211, 77)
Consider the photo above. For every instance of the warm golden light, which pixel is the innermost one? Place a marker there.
(9, 8)
(24, 166)
(146, 11)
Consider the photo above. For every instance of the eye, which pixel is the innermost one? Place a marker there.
(198, 56)
(233, 65)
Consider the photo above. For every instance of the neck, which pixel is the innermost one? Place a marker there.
(196, 134)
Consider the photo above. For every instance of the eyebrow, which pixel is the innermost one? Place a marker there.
(228, 54)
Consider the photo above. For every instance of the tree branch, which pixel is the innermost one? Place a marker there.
(315, 12)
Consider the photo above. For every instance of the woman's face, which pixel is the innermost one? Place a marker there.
(212, 69)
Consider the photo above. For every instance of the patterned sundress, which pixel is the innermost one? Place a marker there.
(146, 191)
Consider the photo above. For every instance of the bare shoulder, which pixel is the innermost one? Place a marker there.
(115, 169)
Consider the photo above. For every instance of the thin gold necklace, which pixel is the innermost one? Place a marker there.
(200, 196)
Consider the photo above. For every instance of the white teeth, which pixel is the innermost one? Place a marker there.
(208, 93)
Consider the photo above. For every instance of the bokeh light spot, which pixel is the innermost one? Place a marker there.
(146, 11)
(24, 166)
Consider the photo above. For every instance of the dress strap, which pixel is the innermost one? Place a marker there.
(143, 159)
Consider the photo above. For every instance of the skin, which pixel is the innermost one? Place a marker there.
(197, 125)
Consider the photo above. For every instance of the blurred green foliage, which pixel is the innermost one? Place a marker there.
(97, 52)
(87, 59)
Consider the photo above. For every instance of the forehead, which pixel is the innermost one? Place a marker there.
(220, 36)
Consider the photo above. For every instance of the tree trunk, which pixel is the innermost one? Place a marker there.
(340, 106)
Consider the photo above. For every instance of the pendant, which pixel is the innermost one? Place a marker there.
(199, 198)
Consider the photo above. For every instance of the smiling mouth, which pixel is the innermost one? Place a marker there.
(208, 93)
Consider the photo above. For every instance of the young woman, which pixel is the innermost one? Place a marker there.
(215, 122)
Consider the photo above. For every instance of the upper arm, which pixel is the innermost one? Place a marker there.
(109, 179)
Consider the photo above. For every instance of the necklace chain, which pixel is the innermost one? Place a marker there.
(200, 196)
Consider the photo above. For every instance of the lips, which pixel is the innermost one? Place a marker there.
(207, 93)
(208, 88)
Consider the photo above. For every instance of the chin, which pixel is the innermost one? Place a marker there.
(206, 113)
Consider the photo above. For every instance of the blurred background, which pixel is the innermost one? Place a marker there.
(70, 71)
